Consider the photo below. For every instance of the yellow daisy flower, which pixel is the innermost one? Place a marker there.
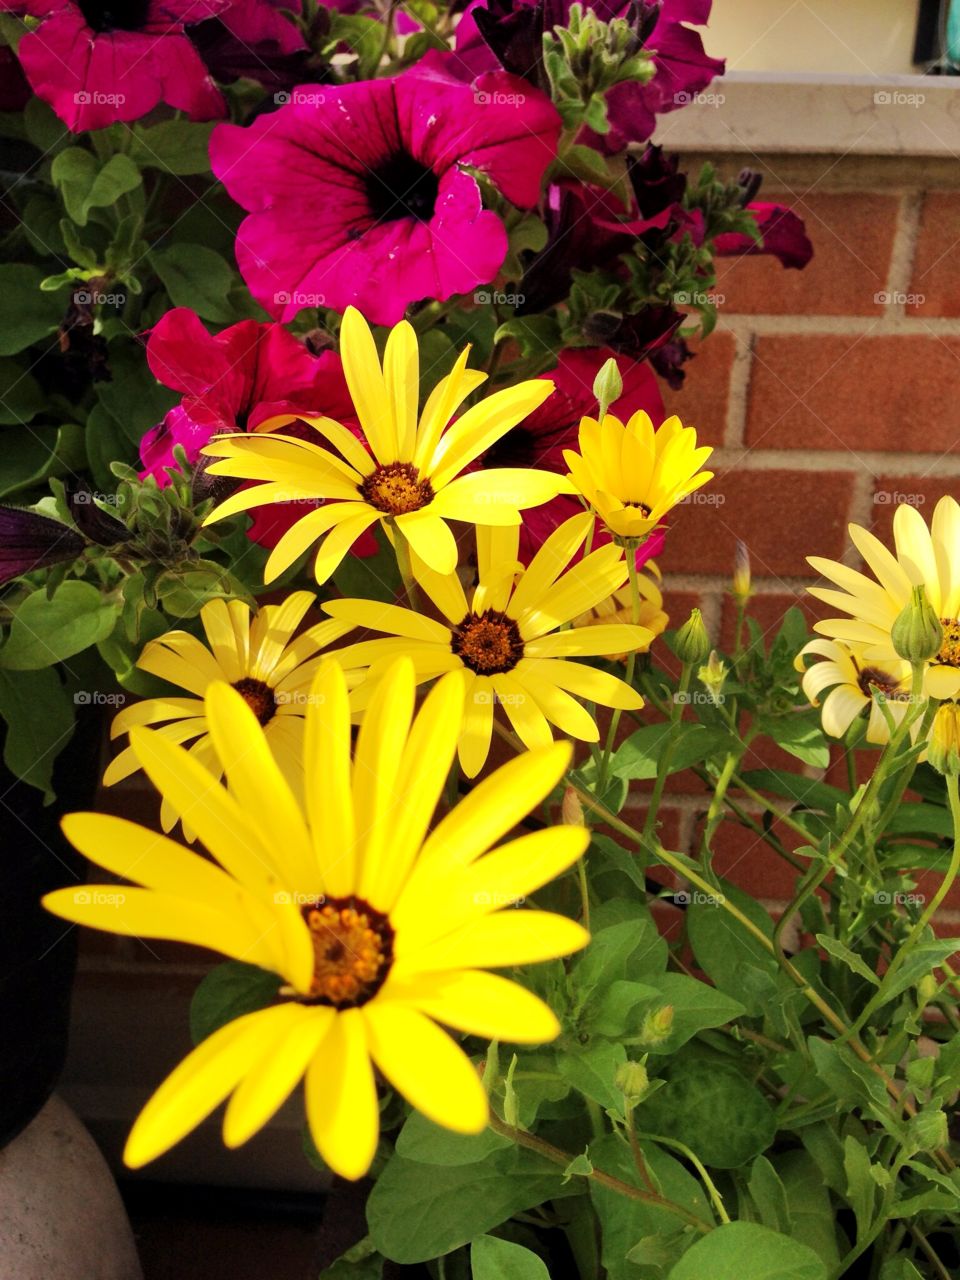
(852, 682)
(257, 655)
(924, 556)
(632, 475)
(507, 638)
(619, 608)
(377, 930)
(410, 479)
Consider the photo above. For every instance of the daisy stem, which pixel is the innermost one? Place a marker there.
(631, 667)
(402, 548)
(563, 1158)
(663, 763)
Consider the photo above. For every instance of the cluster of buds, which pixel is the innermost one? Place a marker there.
(589, 56)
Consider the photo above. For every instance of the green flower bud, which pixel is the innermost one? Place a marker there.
(927, 988)
(691, 643)
(608, 386)
(943, 745)
(571, 810)
(632, 1081)
(917, 634)
(657, 1025)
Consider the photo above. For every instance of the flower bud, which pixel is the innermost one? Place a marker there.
(571, 810)
(943, 748)
(656, 1026)
(632, 1081)
(741, 573)
(927, 988)
(917, 634)
(607, 386)
(691, 643)
(713, 675)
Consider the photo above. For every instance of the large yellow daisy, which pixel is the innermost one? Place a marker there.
(632, 475)
(507, 638)
(619, 607)
(256, 654)
(853, 683)
(377, 930)
(412, 477)
(924, 556)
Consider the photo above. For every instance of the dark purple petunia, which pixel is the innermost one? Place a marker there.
(14, 90)
(256, 40)
(29, 541)
(360, 194)
(782, 233)
(98, 61)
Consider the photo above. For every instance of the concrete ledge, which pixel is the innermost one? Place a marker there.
(752, 111)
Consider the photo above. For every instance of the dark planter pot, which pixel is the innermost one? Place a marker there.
(38, 951)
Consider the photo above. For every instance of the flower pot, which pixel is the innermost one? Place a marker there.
(37, 951)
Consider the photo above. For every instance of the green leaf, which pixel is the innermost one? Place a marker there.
(639, 756)
(47, 631)
(811, 1214)
(696, 1007)
(414, 1215)
(801, 735)
(921, 960)
(769, 1195)
(593, 1072)
(196, 277)
(861, 1187)
(424, 1142)
(228, 992)
(727, 952)
(27, 314)
(362, 1262)
(587, 164)
(840, 951)
(613, 1012)
(748, 1251)
(629, 950)
(39, 718)
(845, 1075)
(537, 336)
(712, 1108)
(803, 791)
(85, 186)
(173, 146)
(21, 397)
(495, 1259)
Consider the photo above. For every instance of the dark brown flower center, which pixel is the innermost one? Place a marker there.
(259, 698)
(949, 653)
(352, 951)
(870, 678)
(115, 15)
(487, 642)
(402, 187)
(397, 488)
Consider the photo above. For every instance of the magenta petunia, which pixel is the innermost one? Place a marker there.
(540, 439)
(358, 194)
(782, 232)
(98, 61)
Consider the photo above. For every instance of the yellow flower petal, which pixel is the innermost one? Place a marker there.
(480, 1004)
(526, 718)
(313, 525)
(361, 368)
(336, 544)
(587, 642)
(153, 711)
(474, 745)
(585, 682)
(401, 376)
(496, 495)
(345, 442)
(499, 941)
(328, 786)
(425, 1065)
(430, 538)
(442, 403)
(341, 1098)
(483, 424)
(375, 615)
(126, 763)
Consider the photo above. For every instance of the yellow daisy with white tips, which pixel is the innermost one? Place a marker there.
(632, 475)
(258, 655)
(411, 479)
(378, 932)
(924, 556)
(507, 638)
(619, 607)
(854, 683)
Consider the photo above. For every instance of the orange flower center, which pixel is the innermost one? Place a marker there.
(397, 488)
(258, 697)
(352, 951)
(949, 653)
(487, 642)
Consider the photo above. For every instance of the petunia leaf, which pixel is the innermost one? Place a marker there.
(748, 1251)
(39, 719)
(28, 314)
(45, 631)
(197, 277)
(228, 992)
(494, 1259)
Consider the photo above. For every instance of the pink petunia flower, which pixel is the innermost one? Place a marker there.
(782, 232)
(256, 39)
(358, 194)
(540, 439)
(98, 61)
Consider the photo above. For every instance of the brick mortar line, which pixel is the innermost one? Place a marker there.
(738, 389)
(903, 251)
(872, 324)
(868, 461)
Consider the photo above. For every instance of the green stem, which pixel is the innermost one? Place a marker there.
(715, 809)
(606, 1180)
(708, 1182)
(663, 764)
(631, 555)
(402, 549)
